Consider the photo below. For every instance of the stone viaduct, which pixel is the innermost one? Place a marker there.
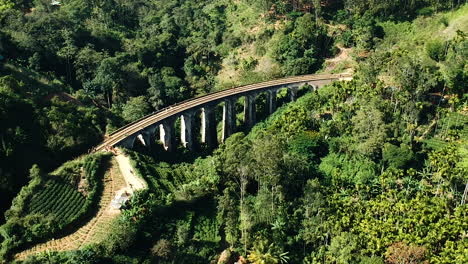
(145, 128)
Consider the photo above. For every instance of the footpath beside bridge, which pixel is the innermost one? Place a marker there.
(145, 128)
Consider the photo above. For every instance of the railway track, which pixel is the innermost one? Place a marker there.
(173, 110)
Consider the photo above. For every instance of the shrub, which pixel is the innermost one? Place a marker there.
(249, 64)
(425, 11)
(162, 249)
(444, 21)
(371, 260)
(347, 39)
(400, 252)
(123, 235)
(436, 50)
(397, 157)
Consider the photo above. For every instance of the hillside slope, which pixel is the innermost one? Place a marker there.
(373, 170)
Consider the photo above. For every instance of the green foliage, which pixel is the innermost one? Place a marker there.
(87, 255)
(369, 131)
(340, 176)
(371, 260)
(268, 254)
(35, 174)
(294, 119)
(399, 8)
(342, 170)
(436, 50)
(18, 138)
(343, 248)
(310, 145)
(446, 171)
(227, 214)
(57, 199)
(165, 88)
(455, 70)
(366, 31)
(51, 203)
(298, 51)
(183, 182)
(123, 235)
(64, 121)
(206, 229)
(397, 157)
(45, 130)
(314, 213)
(5, 5)
(135, 108)
(249, 64)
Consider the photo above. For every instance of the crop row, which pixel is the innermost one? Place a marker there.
(435, 143)
(454, 120)
(59, 199)
(52, 191)
(163, 179)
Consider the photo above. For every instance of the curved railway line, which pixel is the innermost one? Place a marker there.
(173, 110)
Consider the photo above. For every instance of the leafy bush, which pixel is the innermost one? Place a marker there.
(444, 21)
(300, 50)
(347, 39)
(343, 170)
(425, 11)
(436, 50)
(162, 249)
(397, 157)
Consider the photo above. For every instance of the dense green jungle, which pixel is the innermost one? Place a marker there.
(373, 170)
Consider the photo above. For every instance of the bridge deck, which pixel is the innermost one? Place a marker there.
(179, 108)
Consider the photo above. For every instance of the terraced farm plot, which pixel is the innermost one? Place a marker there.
(454, 121)
(181, 182)
(435, 143)
(93, 231)
(57, 198)
(452, 125)
(57, 201)
(157, 178)
(70, 172)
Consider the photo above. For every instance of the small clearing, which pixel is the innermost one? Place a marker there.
(342, 62)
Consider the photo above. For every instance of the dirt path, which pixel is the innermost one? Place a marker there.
(97, 228)
(133, 182)
(344, 58)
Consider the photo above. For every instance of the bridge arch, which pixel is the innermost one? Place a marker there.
(164, 120)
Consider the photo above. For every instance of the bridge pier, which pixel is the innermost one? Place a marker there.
(208, 126)
(167, 134)
(229, 118)
(271, 100)
(293, 93)
(144, 129)
(186, 129)
(145, 139)
(249, 110)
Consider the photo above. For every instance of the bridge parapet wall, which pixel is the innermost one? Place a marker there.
(144, 130)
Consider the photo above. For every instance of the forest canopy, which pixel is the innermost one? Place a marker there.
(372, 170)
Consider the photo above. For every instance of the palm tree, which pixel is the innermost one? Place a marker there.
(262, 253)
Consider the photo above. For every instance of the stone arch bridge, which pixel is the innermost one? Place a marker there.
(163, 120)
